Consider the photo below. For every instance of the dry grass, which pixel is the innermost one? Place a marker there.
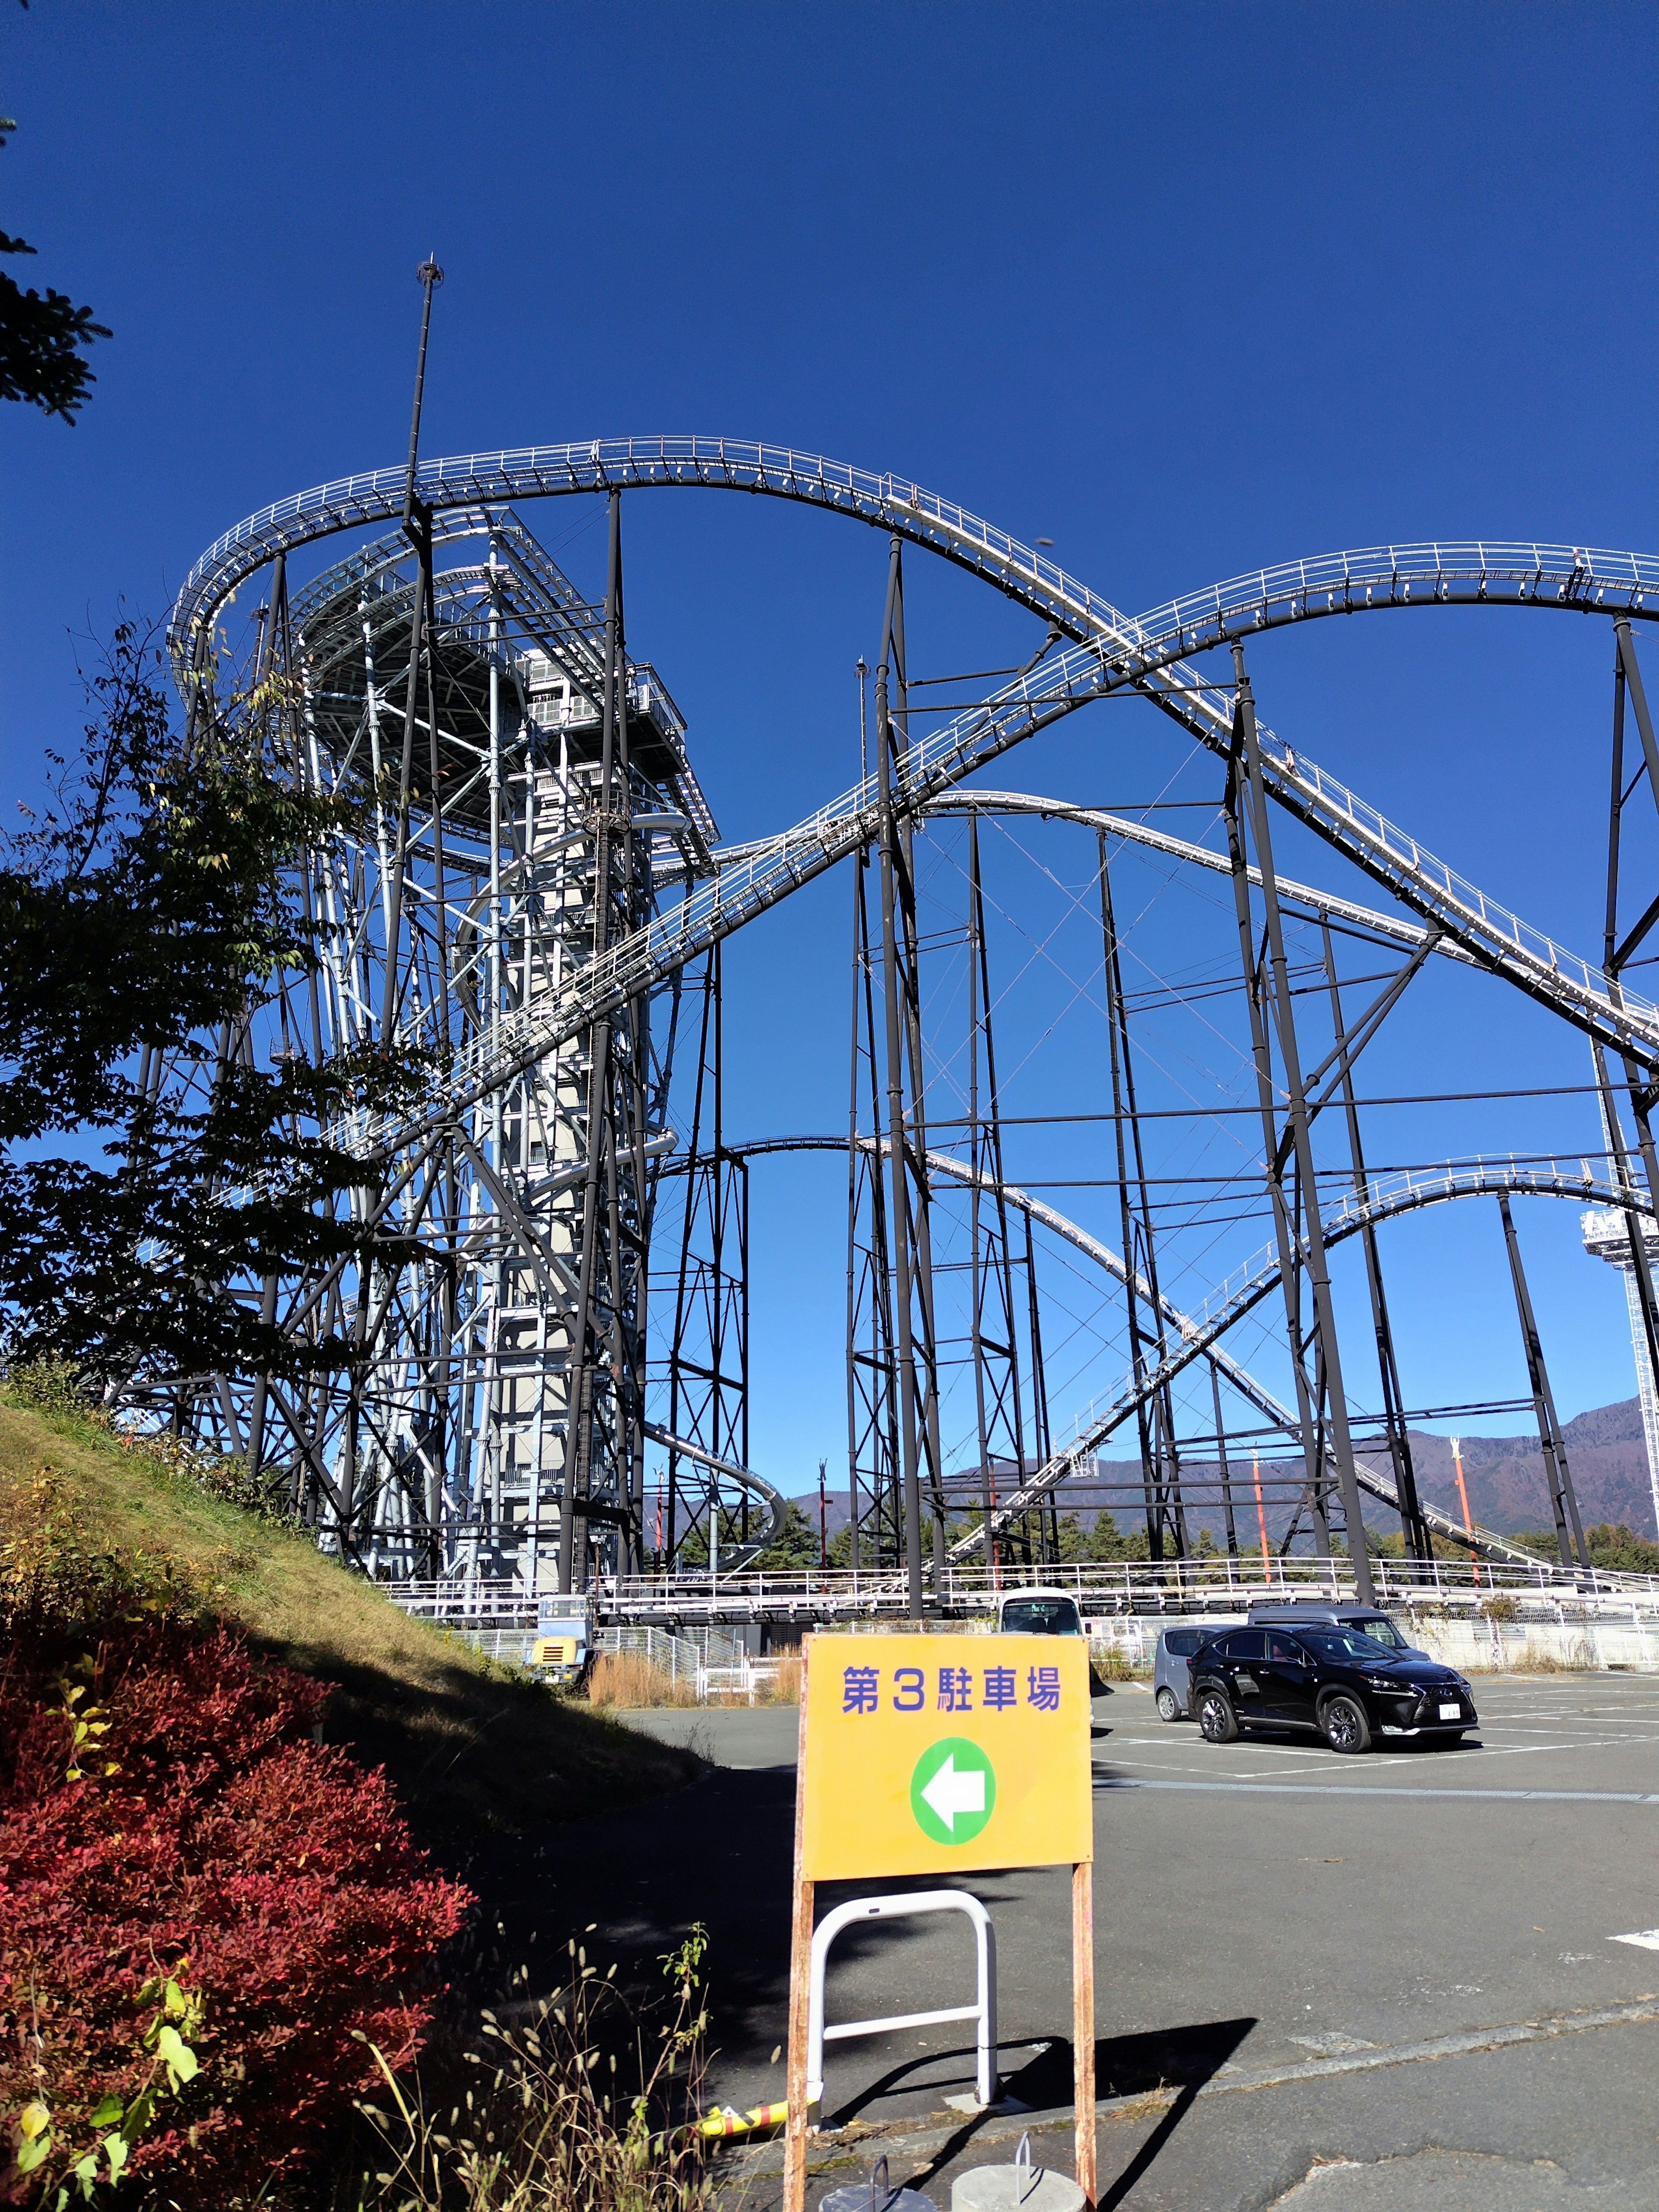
(1529, 1662)
(578, 2104)
(470, 1744)
(630, 1680)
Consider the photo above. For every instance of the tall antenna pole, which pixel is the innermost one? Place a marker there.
(417, 528)
(430, 277)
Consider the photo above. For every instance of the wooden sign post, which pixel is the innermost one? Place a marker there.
(942, 1755)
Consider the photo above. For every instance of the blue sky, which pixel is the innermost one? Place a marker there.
(1186, 289)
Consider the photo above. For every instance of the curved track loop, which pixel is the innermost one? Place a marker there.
(1059, 1224)
(1113, 653)
(1234, 1297)
(1337, 583)
(777, 1505)
(1199, 1340)
(1298, 898)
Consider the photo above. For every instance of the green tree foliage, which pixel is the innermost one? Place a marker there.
(40, 337)
(1621, 1549)
(1611, 1545)
(1393, 1546)
(1107, 1540)
(146, 915)
(797, 1545)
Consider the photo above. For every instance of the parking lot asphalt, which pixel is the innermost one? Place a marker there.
(1314, 1974)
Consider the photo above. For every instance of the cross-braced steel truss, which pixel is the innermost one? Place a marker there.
(532, 875)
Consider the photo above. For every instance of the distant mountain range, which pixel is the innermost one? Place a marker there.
(1503, 1475)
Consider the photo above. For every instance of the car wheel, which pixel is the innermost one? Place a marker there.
(1169, 1705)
(1216, 1721)
(1343, 1719)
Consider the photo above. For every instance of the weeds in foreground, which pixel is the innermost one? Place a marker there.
(51, 1387)
(1579, 1661)
(581, 2106)
(631, 1681)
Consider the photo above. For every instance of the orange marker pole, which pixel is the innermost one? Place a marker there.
(1261, 1515)
(800, 1970)
(1083, 2027)
(1463, 1499)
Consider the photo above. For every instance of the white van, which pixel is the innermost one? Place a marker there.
(1038, 1613)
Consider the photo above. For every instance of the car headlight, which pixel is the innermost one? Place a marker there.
(1383, 1685)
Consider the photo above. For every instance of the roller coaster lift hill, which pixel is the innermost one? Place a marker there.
(536, 899)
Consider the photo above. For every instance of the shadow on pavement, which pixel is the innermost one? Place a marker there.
(1162, 2058)
(1125, 2065)
(1181, 2058)
(1196, 2055)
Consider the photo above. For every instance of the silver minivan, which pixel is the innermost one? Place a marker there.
(1172, 1665)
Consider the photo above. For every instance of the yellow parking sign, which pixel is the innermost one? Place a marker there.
(923, 1754)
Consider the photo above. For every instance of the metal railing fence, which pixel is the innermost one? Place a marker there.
(695, 1601)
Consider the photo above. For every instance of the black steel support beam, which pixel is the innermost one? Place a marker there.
(907, 1171)
(1154, 1419)
(1268, 989)
(1010, 1422)
(1413, 1525)
(1564, 1501)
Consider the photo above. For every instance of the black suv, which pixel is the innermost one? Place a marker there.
(1332, 1680)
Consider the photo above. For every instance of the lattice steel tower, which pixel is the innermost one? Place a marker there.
(526, 796)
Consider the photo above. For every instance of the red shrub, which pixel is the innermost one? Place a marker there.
(277, 1869)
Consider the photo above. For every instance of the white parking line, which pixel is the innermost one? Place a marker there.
(1570, 1743)
(1376, 1760)
(1595, 1714)
(1647, 1938)
(1395, 1789)
(1284, 1750)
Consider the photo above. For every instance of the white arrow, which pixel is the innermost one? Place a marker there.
(950, 1793)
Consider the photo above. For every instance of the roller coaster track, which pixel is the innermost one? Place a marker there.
(1111, 652)
(1199, 1337)
(1232, 1299)
(738, 1555)
(1300, 898)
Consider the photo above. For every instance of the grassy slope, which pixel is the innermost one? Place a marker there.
(470, 1745)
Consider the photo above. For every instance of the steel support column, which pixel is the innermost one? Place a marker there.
(1563, 1503)
(1413, 1528)
(1002, 1404)
(708, 1350)
(606, 1346)
(1160, 1463)
(1616, 954)
(913, 1291)
(1269, 991)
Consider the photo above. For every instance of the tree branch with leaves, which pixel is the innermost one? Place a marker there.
(41, 335)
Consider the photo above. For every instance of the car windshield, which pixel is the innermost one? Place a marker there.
(1381, 1631)
(1346, 1646)
(1183, 1642)
(1041, 1616)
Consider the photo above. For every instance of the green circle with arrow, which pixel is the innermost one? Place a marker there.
(953, 1791)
